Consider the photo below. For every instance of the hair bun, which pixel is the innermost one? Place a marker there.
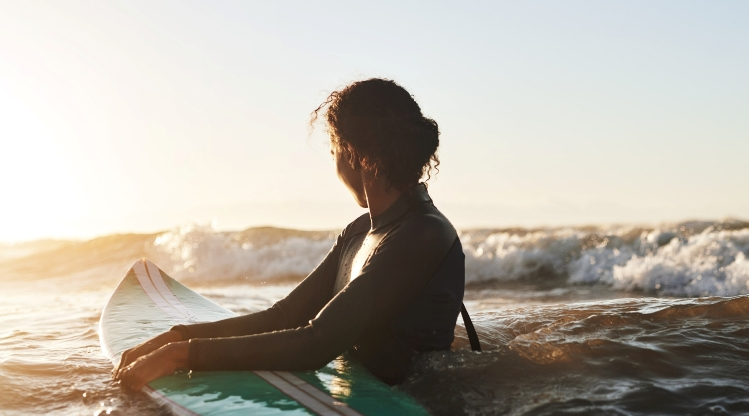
(377, 123)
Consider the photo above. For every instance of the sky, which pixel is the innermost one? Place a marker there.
(139, 116)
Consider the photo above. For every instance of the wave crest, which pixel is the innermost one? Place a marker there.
(685, 259)
(258, 254)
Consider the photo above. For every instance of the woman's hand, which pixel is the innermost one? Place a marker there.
(145, 348)
(164, 361)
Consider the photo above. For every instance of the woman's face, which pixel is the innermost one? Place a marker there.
(350, 176)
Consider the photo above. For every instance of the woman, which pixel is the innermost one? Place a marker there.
(391, 286)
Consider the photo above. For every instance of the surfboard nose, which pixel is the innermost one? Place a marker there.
(148, 264)
(141, 261)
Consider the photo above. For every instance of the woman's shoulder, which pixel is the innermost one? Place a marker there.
(429, 224)
(357, 226)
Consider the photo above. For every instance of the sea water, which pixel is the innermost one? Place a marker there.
(586, 320)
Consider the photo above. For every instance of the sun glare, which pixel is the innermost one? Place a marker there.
(37, 191)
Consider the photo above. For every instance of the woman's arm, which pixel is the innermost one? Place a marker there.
(297, 309)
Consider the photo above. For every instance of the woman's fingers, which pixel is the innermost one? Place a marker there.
(124, 362)
(128, 357)
(161, 362)
(131, 355)
(133, 377)
(136, 375)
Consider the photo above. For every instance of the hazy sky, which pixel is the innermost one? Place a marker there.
(143, 115)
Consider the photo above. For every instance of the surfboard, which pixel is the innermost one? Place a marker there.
(148, 302)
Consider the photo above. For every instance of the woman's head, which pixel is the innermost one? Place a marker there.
(377, 125)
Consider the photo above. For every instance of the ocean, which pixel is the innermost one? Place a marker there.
(606, 320)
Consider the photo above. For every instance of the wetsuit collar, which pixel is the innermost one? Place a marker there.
(401, 205)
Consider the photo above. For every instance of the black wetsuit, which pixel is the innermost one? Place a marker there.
(387, 290)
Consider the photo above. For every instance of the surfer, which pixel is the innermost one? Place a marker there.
(392, 285)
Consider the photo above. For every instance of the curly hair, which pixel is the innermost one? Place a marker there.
(378, 125)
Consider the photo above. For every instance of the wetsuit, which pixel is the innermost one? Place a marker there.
(388, 289)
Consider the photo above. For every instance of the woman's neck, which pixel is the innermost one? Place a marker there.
(379, 195)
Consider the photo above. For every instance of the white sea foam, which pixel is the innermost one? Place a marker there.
(508, 255)
(708, 263)
(676, 261)
(201, 253)
(688, 259)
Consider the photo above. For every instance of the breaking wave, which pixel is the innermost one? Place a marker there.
(257, 254)
(684, 259)
(687, 259)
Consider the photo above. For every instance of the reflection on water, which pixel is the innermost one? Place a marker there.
(50, 361)
(339, 387)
